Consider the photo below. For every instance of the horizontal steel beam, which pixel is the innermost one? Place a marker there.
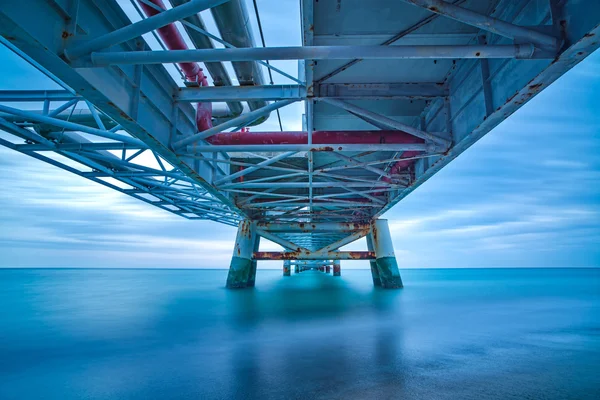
(302, 255)
(139, 28)
(520, 51)
(307, 227)
(80, 146)
(36, 95)
(382, 91)
(299, 185)
(315, 147)
(240, 93)
(371, 91)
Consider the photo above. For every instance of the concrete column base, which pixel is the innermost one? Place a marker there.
(287, 270)
(240, 270)
(389, 275)
(252, 274)
(337, 270)
(373, 263)
(375, 273)
(384, 270)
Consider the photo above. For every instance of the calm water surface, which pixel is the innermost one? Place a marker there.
(179, 334)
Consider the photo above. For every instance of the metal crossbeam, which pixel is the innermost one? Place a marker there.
(488, 23)
(137, 29)
(347, 91)
(300, 255)
(518, 51)
(306, 147)
(241, 120)
(381, 119)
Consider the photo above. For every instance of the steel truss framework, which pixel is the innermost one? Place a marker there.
(444, 76)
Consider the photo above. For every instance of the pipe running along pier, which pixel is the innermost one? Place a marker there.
(393, 90)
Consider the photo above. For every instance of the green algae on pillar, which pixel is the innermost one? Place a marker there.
(387, 265)
(373, 263)
(252, 275)
(240, 269)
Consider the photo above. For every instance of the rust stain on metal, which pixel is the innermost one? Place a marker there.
(325, 148)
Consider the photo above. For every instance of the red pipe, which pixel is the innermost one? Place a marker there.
(324, 137)
(319, 137)
(192, 71)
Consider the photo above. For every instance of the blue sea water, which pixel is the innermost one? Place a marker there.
(179, 334)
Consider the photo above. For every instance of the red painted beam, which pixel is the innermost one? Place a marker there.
(319, 137)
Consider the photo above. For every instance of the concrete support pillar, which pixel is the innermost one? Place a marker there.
(337, 268)
(241, 262)
(287, 269)
(252, 275)
(328, 269)
(387, 266)
(296, 269)
(374, 269)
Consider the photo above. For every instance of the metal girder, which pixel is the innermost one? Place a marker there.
(343, 242)
(348, 91)
(15, 96)
(388, 42)
(138, 100)
(509, 96)
(387, 121)
(311, 227)
(137, 29)
(255, 167)
(380, 91)
(29, 116)
(518, 51)
(315, 147)
(240, 93)
(301, 255)
(280, 241)
(494, 25)
(234, 122)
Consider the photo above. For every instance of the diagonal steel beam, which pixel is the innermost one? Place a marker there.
(358, 163)
(280, 241)
(391, 40)
(231, 123)
(141, 27)
(255, 167)
(488, 23)
(387, 121)
(342, 242)
(70, 125)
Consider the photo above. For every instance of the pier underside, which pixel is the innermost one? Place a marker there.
(384, 267)
(150, 102)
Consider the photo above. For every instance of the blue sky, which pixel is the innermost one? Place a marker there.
(526, 195)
